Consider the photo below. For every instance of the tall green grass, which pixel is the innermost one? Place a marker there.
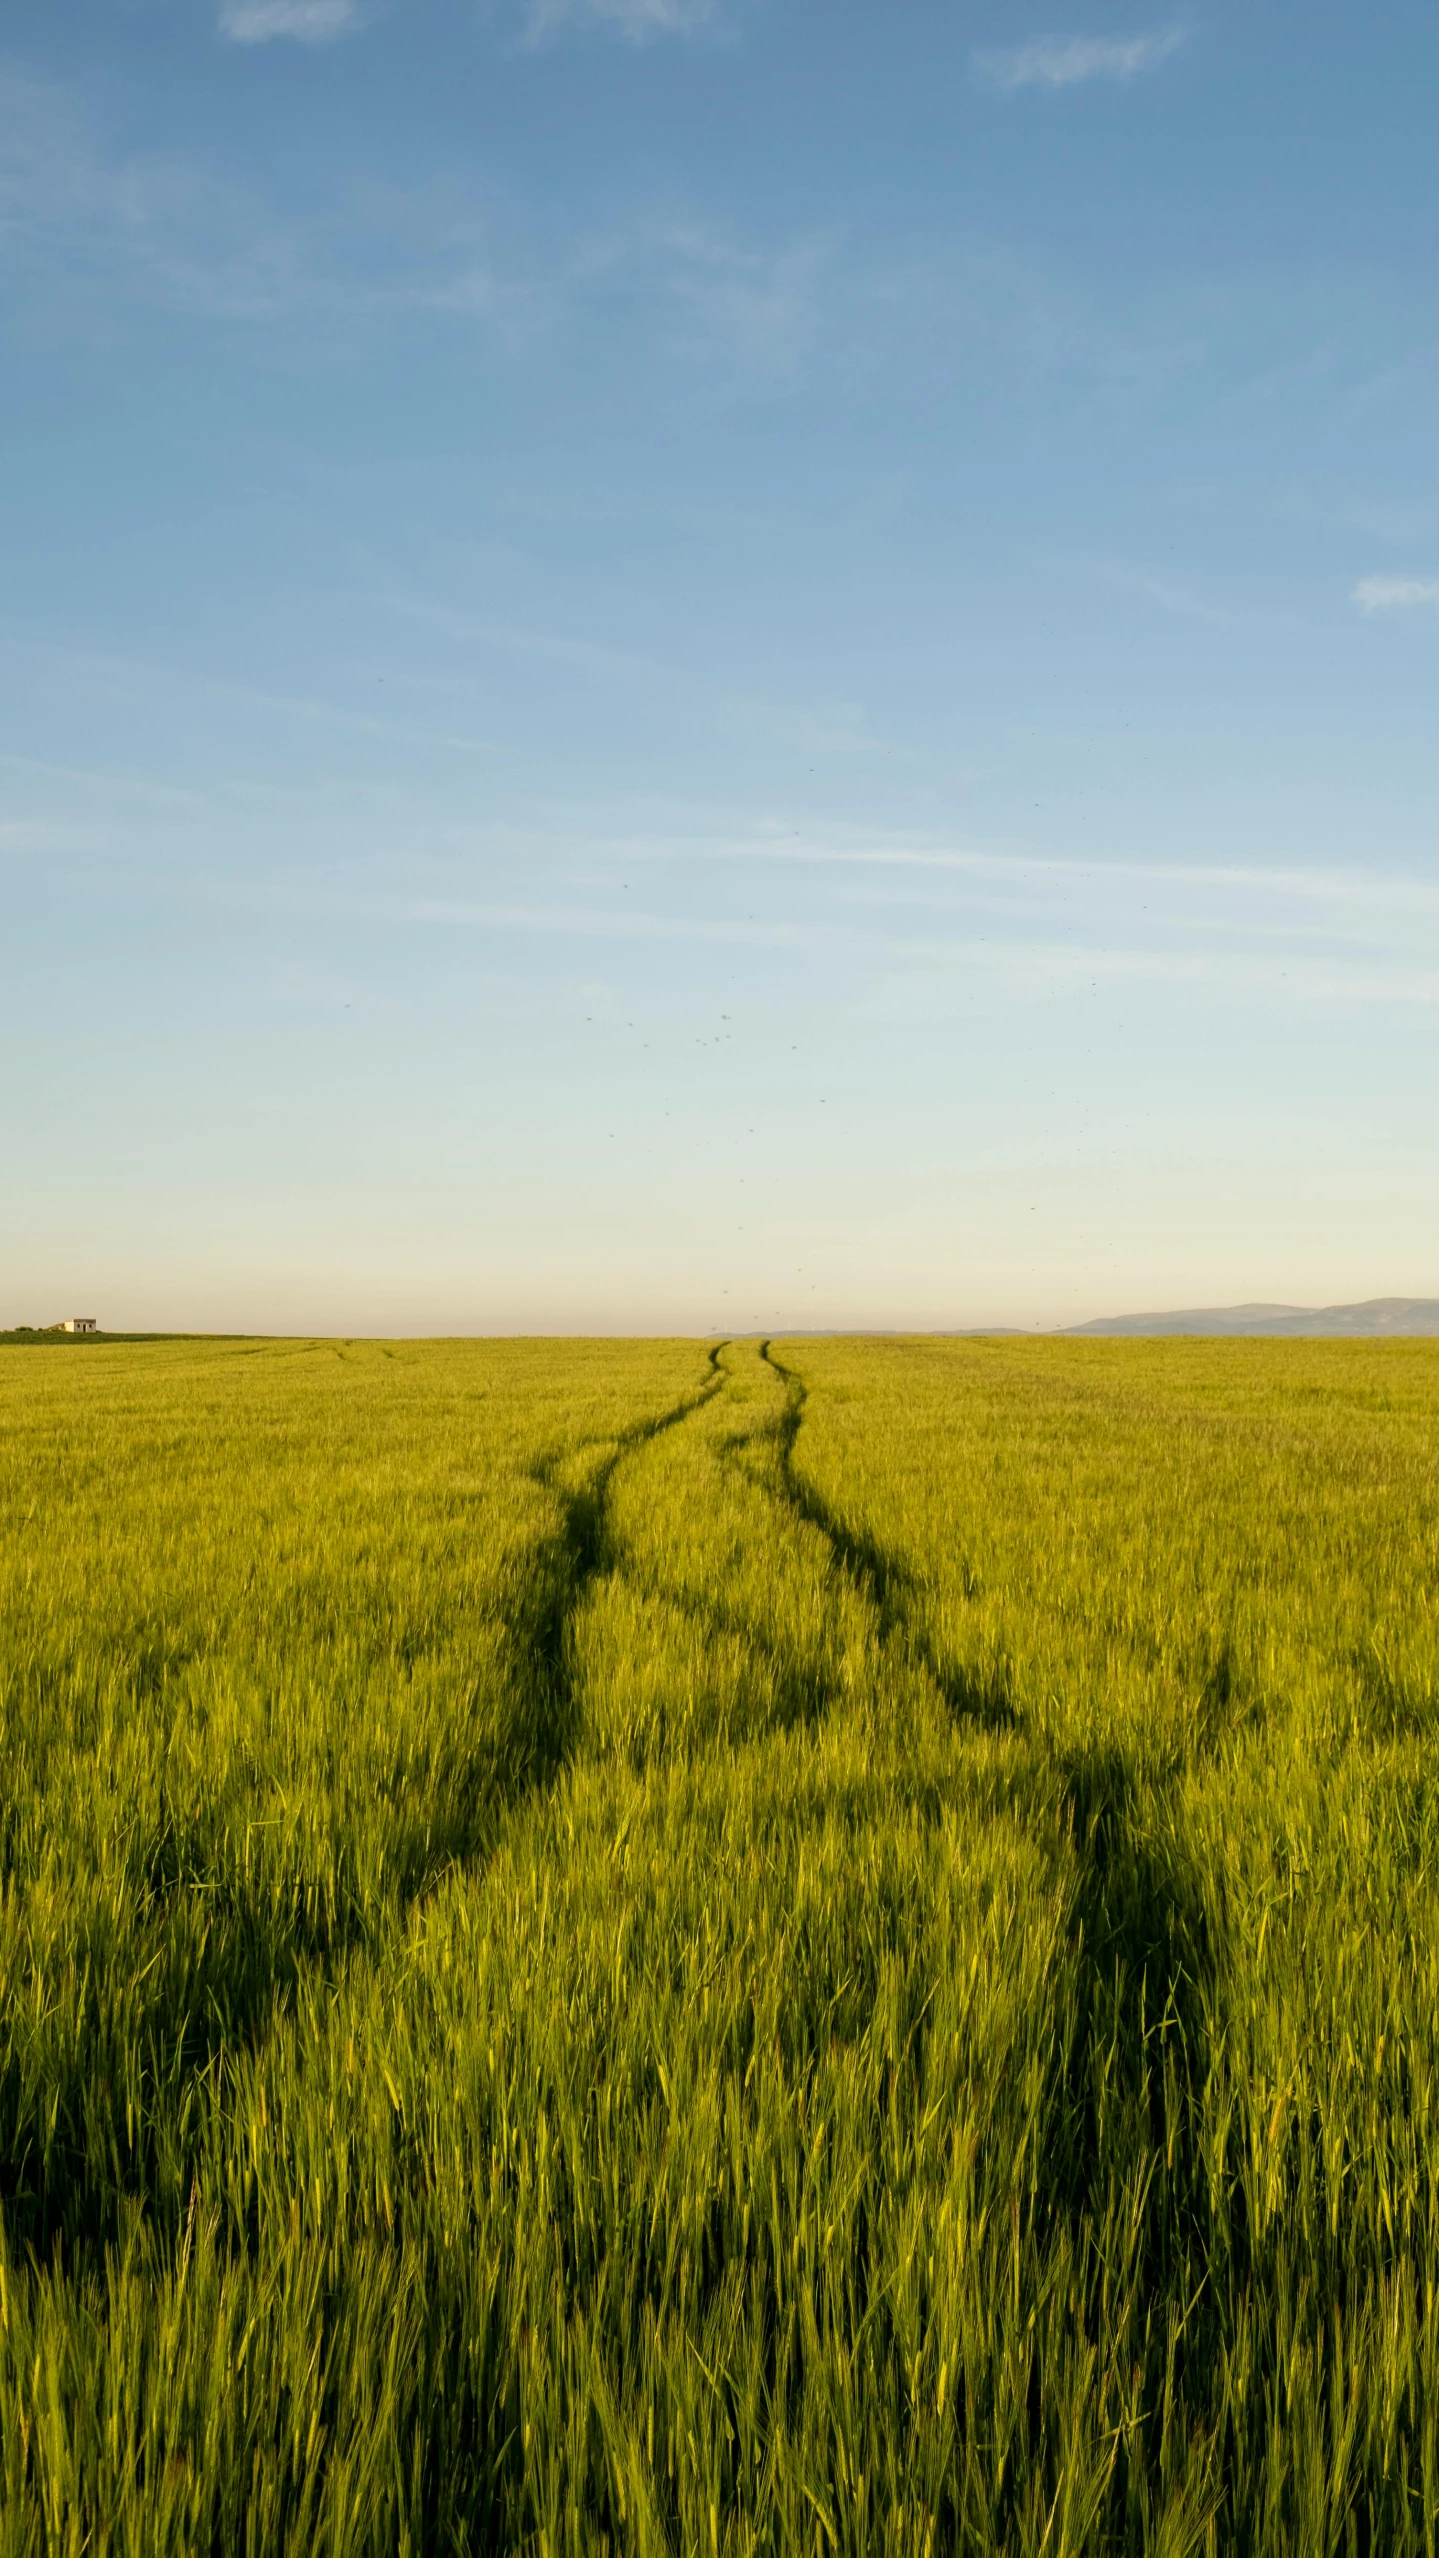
(611, 1947)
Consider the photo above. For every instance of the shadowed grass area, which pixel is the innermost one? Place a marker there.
(617, 1948)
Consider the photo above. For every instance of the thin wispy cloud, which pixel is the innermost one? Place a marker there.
(1068, 62)
(98, 229)
(604, 924)
(1396, 594)
(95, 231)
(299, 21)
(1328, 886)
(637, 21)
(1181, 602)
(1024, 956)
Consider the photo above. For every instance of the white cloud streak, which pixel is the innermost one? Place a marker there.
(1019, 956)
(95, 233)
(1396, 594)
(597, 924)
(1332, 887)
(1067, 62)
(301, 21)
(634, 20)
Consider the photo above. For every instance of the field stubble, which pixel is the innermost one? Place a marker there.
(827, 1947)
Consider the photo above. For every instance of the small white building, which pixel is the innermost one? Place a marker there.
(76, 1323)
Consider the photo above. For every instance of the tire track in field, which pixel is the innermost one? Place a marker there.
(880, 1577)
(1147, 1962)
(579, 1551)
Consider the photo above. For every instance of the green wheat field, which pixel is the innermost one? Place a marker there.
(635, 1947)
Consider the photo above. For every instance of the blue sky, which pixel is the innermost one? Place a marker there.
(670, 664)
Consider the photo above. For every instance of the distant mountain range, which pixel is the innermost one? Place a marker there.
(1374, 1319)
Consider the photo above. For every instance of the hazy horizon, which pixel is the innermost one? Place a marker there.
(1392, 1318)
(680, 665)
